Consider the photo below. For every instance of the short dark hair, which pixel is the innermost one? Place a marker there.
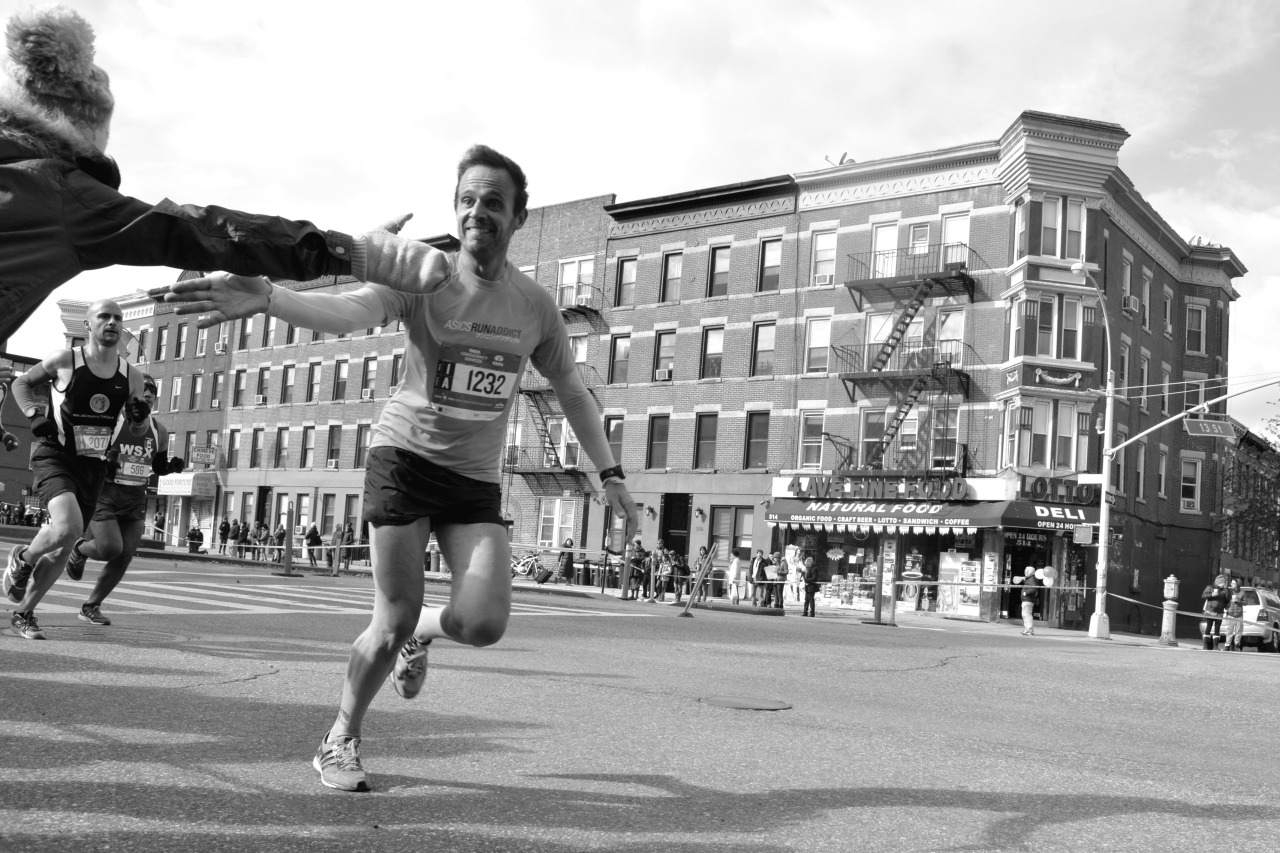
(483, 155)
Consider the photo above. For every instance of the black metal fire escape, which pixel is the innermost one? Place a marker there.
(904, 372)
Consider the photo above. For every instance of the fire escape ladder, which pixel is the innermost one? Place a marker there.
(899, 330)
(905, 405)
(541, 407)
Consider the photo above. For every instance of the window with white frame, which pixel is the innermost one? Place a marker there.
(578, 346)
(872, 435)
(576, 277)
(1190, 492)
(1123, 378)
(1045, 434)
(1051, 211)
(955, 238)
(202, 341)
(1144, 379)
(1168, 315)
(1047, 325)
(1075, 229)
(1126, 278)
(1164, 392)
(884, 249)
(1192, 395)
(511, 452)
(561, 442)
(180, 344)
(951, 335)
(664, 353)
(918, 238)
(1195, 329)
(672, 271)
(946, 433)
(712, 352)
(1162, 465)
(626, 293)
(817, 343)
(1146, 298)
(1117, 463)
(811, 440)
(718, 271)
(1020, 228)
(555, 521)
(763, 336)
(1064, 443)
(1140, 471)
(824, 257)
(909, 431)
(176, 398)
(879, 327)
(770, 265)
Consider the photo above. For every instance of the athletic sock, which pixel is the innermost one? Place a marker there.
(429, 626)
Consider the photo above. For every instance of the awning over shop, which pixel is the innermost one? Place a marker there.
(904, 517)
(194, 484)
(886, 516)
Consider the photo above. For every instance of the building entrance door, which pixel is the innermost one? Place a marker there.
(674, 527)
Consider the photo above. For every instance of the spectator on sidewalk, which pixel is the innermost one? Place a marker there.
(734, 576)
(242, 543)
(279, 540)
(348, 545)
(1028, 594)
(772, 596)
(314, 544)
(811, 586)
(564, 565)
(224, 532)
(1215, 602)
(195, 537)
(233, 537)
(1233, 617)
(758, 585)
(701, 568)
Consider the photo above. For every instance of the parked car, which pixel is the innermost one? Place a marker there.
(1261, 619)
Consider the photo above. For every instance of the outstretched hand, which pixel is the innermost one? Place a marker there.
(621, 502)
(396, 224)
(220, 297)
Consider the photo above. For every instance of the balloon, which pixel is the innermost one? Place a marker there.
(1048, 581)
(1050, 573)
(1039, 574)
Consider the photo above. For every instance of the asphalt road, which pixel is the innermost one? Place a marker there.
(190, 724)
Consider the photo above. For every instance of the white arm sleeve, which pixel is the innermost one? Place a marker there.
(337, 313)
(583, 415)
(407, 266)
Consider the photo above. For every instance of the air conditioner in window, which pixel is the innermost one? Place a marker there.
(584, 301)
(215, 404)
(1132, 304)
(663, 375)
(366, 394)
(333, 465)
(1189, 504)
(822, 279)
(220, 347)
(1168, 329)
(259, 400)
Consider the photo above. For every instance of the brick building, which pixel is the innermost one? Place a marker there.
(889, 364)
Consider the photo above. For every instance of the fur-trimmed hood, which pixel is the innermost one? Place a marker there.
(39, 136)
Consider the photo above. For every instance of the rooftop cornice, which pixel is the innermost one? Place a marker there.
(709, 197)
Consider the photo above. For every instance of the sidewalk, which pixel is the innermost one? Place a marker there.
(826, 611)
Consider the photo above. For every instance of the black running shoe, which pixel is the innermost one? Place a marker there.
(25, 625)
(75, 563)
(91, 614)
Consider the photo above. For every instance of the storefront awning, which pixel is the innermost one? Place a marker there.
(906, 517)
(194, 484)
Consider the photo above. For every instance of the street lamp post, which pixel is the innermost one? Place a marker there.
(1099, 622)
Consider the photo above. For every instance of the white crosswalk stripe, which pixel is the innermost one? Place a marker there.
(139, 593)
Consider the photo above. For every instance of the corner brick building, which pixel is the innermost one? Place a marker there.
(890, 366)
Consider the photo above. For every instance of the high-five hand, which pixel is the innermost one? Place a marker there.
(220, 297)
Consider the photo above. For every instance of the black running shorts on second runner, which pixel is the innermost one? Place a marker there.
(121, 503)
(55, 472)
(401, 487)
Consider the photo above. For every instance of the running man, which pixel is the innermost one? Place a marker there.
(89, 388)
(472, 322)
(137, 451)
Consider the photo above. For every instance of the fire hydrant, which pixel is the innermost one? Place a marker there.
(1167, 637)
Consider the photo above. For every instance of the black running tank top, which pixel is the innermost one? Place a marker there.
(86, 409)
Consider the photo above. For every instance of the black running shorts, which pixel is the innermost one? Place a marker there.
(401, 487)
(121, 503)
(55, 472)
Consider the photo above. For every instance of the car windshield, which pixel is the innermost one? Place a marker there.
(1250, 597)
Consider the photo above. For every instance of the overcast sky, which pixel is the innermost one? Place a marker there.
(349, 113)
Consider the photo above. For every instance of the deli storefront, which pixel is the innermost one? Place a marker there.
(957, 543)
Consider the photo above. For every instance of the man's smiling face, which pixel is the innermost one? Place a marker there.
(485, 208)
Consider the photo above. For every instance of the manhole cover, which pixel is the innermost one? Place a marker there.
(747, 703)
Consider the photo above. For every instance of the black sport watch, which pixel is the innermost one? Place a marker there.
(614, 473)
